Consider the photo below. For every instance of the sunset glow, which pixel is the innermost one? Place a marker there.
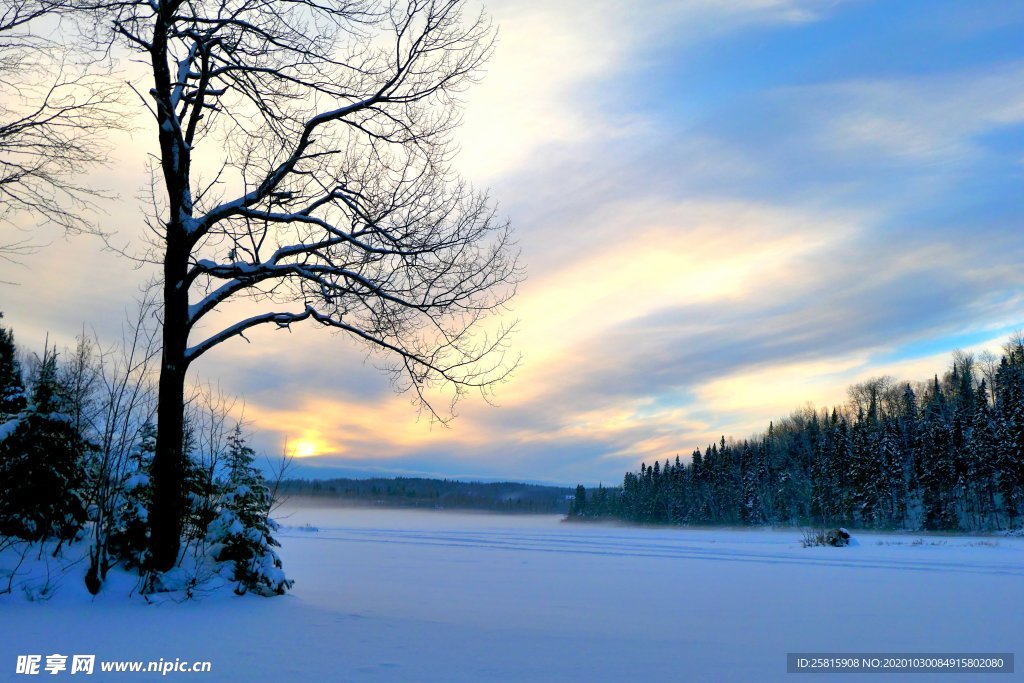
(725, 210)
(304, 448)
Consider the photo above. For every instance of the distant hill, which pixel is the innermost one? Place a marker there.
(406, 492)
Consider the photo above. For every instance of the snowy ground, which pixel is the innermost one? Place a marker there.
(385, 595)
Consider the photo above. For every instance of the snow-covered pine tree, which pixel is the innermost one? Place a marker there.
(12, 389)
(893, 487)
(241, 534)
(842, 488)
(909, 431)
(41, 472)
(1010, 431)
(200, 486)
(820, 498)
(751, 509)
(129, 537)
(936, 468)
(863, 476)
(12, 402)
(983, 452)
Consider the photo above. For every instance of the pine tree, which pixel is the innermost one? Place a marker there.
(892, 504)
(909, 428)
(41, 465)
(599, 505)
(241, 533)
(982, 454)
(937, 469)
(1010, 379)
(863, 477)
(12, 389)
(752, 509)
(699, 507)
(579, 504)
(841, 482)
(200, 487)
(129, 538)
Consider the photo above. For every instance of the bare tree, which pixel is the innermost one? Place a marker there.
(323, 130)
(209, 422)
(881, 393)
(55, 111)
(1015, 343)
(989, 364)
(111, 397)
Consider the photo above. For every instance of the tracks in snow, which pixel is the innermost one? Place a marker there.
(664, 547)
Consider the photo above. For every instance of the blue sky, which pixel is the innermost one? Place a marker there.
(726, 209)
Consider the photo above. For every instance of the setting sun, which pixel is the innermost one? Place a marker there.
(306, 448)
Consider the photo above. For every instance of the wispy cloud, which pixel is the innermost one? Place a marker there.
(726, 209)
(548, 82)
(913, 120)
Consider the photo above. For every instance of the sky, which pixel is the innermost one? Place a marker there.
(726, 210)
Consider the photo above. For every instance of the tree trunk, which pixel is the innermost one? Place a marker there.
(167, 515)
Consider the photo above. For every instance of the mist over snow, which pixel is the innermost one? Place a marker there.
(383, 595)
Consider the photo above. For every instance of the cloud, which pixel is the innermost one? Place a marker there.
(548, 81)
(926, 119)
(706, 251)
(699, 275)
(638, 260)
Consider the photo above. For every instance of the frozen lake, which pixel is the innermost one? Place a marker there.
(385, 595)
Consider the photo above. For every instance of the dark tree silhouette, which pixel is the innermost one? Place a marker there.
(323, 130)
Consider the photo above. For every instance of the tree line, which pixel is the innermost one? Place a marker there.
(417, 492)
(942, 455)
(77, 442)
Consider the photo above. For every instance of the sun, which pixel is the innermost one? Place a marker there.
(305, 448)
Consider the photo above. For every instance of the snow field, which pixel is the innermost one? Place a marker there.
(386, 595)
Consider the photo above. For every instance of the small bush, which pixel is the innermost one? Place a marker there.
(837, 538)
